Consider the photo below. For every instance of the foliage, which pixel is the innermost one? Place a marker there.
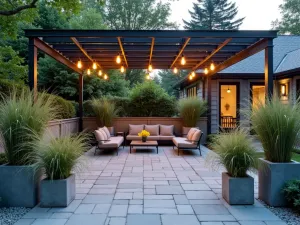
(122, 104)
(214, 15)
(277, 125)
(105, 111)
(149, 99)
(235, 152)
(291, 191)
(169, 79)
(3, 158)
(7, 86)
(22, 122)
(87, 19)
(190, 110)
(11, 65)
(65, 108)
(87, 108)
(290, 17)
(60, 156)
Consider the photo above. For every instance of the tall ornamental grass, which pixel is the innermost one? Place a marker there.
(23, 120)
(60, 156)
(105, 111)
(235, 152)
(276, 125)
(190, 110)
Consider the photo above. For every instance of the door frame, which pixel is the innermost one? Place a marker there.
(237, 100)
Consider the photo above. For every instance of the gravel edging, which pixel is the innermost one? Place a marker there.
(9, 216)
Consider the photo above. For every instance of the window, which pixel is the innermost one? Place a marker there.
(258, 95)
(192, 92)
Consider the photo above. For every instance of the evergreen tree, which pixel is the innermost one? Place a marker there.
(213, 15)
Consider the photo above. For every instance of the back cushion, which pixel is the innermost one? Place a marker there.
(190, 134)
(135, 129)
(103, 133)
(196, 136)
(99, 136)
(152, 129)
(106, 132)
(166, 130)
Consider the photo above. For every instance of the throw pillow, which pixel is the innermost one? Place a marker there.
(166, 130)
(135, 129)
(190, 134)
(152, 129)
(107, 132)
(99, 136)
(196, 136)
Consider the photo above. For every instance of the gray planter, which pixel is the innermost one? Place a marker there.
(238, 190)
(57, 193)
(272, 178)
(19, 186)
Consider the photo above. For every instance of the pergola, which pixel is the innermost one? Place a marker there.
(140, 48)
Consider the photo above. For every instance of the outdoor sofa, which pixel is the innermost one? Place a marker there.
(105, 141)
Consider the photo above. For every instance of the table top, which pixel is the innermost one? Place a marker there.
(147, 143)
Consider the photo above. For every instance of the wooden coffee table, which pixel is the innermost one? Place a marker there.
(146, 144)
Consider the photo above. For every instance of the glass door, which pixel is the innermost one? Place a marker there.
(228, 106)
(258, 95)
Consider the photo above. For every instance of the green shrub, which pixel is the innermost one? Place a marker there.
(88, 109)
(149, 99)
(190, 110)
(7, 86)
(65, 108)
(235, 152)
(277, 125)
(3, 159)
(60, 156)
(122, 104)
(291, 191)
(105, 111)
(23, 121)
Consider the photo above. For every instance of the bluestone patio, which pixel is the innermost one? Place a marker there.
(145, 188)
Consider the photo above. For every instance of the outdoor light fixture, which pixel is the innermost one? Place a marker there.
(228, 91)
(94, 65)
(105, 77)
(190, 77)
(100, 73)
(122, 69)
(212, 66)
(183, 61)
(206, 71)
(193, 74)
(150, 68)
(79, 64)
(88, 72)
(148, 76)
(175, 70)
(283, 90)
(118, 59)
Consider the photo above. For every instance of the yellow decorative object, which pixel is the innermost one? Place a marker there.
(144, 133)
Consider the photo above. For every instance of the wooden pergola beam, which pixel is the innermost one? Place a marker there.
(180, 52)
(122, 50)
(212, 54)
(75, 41)
(151, 50)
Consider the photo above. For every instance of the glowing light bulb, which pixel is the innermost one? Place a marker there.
(175, 70)
(212, 66)
(79, 64)
(122, 69)
(118, 59)
(150, 68)
(105, 77)
(100, 73)
(94, 65)
(206, 71)
(183, 61)
(88, 72)
(228, 90)
(148, 77)
(190, 77)
(193, 74)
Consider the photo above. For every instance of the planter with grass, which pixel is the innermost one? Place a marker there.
(190, 110)
(22, 123)
(105, 112)
(277, 125)
(57, 159)
(236, 154)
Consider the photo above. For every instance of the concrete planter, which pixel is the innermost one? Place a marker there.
(272, 178)
(57, 193)
(19, 186)
(238, 190)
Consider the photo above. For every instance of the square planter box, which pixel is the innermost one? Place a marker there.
(57, 193)
(238, 190)
(272, 178)
(19, 186)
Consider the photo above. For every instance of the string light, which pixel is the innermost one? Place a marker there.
(175, 70)
(228, 90)
(150, 68)
(193, 74)
(118, 59)
(105, 77)
(183, 61)
(94, 65)
(206, 71)
(100, 73)
(88, 72)
(79, 64)
(212, 66)
(122, 69)
(148, 77)
(190, 77)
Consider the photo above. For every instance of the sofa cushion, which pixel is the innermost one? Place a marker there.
(114, 142)
(166, 138)
(166, 130)
(106, 132)
(190, 134)
(196, 136)
(152, 129)
(99, 137)
(137, 138)
(183, 143)
(135, 129)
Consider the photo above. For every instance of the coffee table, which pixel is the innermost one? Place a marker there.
(140, 144)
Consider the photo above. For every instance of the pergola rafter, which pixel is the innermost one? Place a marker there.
(151, 50)
(122, 50)
(180, 52)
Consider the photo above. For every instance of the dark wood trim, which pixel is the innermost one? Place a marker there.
(180, 52)
(32, 66)
(80, 101)
(209, 105)
(269, 73)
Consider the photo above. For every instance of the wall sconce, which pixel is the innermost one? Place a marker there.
(283, 90)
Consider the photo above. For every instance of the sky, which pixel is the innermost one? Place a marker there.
(259, 13)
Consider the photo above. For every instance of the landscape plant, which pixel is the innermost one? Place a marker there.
(235, 152)
(190, 110)
(291, 191)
